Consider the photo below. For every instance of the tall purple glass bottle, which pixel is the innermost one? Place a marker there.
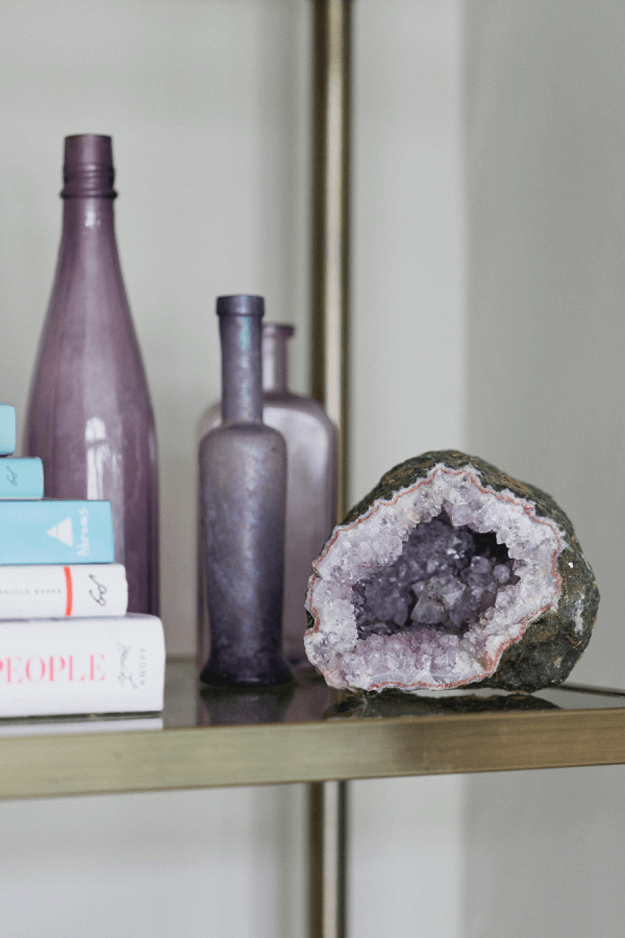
(89, 415)
(311, 484)
(242, 476)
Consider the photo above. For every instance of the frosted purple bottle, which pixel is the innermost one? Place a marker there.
(311, 484)
(242, 477)
(89, 414)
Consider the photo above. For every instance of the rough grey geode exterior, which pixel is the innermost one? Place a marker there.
(552, 642)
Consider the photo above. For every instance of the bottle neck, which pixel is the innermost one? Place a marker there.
(88, 193)
(276, 357)
(88, 216)
(241, 370)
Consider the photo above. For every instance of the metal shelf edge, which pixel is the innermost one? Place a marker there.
(33, 767)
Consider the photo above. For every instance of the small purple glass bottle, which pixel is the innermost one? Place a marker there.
(311, 484)
(242, 478)
(89, 415)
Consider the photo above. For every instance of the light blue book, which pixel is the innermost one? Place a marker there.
(21, 477)
(7, 430)
(55, 530)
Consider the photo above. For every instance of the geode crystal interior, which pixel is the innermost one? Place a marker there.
(450, 573)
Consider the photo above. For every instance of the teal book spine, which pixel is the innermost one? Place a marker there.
(52, 530)
(8, 431)
(21, 478)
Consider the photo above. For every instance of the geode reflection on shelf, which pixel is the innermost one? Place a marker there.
(450, 573)
(397, 703)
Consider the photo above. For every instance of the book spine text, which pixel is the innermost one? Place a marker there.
(52, 531)
(79, 666)
(53, 591)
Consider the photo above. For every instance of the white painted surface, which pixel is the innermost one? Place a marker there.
(208, 105)
(546, 182)
(406, 857)
(194, 864)
(408, 315)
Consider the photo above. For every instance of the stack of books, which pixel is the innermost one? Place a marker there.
(67, 643)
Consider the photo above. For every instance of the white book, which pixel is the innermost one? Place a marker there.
(79, 666)
(49, 591)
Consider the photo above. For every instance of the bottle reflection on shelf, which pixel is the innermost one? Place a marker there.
(244, 705)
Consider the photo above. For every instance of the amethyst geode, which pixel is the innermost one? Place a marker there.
(450, 573)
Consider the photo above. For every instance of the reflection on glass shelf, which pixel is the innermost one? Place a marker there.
(188, 704)
(309, 700)
(396, 704)
(572, 696)
(53, 726)
(243, 706)
(477, 700)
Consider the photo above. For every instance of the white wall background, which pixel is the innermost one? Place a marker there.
(498, 332)
(545, 86)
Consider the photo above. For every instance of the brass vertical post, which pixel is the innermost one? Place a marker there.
(327, 812)
(330, 248)
(327, 818)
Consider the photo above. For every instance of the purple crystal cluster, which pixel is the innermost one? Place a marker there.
(446, 577)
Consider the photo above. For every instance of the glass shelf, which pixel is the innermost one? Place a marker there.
(308, 733)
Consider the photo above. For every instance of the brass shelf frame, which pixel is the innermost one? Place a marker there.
(339, 748)
(39, 767)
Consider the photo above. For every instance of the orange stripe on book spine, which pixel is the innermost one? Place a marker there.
(70, 597)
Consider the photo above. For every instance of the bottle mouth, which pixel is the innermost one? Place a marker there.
(284, 329)
(88, 167)
(240, 304)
